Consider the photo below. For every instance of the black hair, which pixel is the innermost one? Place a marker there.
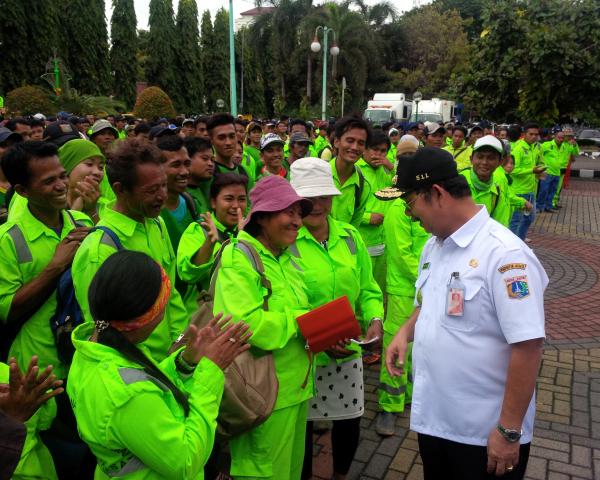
(219, 119)
(125, 286)
(296, 121)
(142, 127)
(170, 143)
(378, 137)
(202, 119)
(34, 122)
(13, 122)
(122, 161)
(457, 187)
(529, 125)
(224, 180)
(241, 121)
(253, 228)
(461, 128)
(514, 132)
(345, 124)
(15, 162)
(194, 145)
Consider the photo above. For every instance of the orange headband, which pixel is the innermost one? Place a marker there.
(155, 309)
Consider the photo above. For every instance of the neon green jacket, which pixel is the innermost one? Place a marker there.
(132, 423)
(320, 143)
(391, 153)
(378, 178)
(462, 155)
(344, 268)
(404, 241)
(344, 205)
(494, 198)
(21, 260)
(238, 292)
(151, 238)
(505, 182)
(526, 158)
(36, 461)
(197, 275)
(555, 156)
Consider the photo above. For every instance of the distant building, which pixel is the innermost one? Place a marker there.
(247, 17)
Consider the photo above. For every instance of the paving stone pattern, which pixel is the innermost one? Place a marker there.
(566, 443)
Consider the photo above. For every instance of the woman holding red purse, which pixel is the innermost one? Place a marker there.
(335, 262)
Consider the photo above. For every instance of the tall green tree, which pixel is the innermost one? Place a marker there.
(160, 66)
(84, 24)
(188, 94)
(218, 87)
(24, 60)
(207, 46)
(251, 98)
(123, 60)
(431, 70)
(538, 61)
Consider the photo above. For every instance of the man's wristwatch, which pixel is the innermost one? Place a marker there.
(509, 435)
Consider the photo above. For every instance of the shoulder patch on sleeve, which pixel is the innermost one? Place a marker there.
(517, 287)
(512, 266)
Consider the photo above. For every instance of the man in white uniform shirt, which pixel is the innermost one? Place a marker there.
(478, 329)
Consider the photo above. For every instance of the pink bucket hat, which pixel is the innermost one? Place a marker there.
(274, 194)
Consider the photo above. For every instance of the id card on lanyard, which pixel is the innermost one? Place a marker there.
(455, 296)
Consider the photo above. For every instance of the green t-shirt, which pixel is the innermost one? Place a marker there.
(462, 155)
(526, 158)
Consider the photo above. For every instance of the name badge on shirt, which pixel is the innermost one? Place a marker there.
(455, 297)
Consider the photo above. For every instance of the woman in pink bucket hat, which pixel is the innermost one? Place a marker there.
(274, 449)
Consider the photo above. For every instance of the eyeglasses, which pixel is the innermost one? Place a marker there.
(410, 203)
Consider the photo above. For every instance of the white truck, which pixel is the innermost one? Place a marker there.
(388, 107)
(434, 110)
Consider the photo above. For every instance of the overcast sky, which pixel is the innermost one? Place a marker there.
(141, 8)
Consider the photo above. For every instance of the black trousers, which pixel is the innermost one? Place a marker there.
(447, 460)
(344, 442)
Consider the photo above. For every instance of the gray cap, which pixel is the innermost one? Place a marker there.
(300, 137)
(6, 134)
(103, 125)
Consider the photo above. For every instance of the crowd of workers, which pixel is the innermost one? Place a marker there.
(114, 230)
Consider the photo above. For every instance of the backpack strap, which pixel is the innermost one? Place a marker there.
(191, 205)
(21, 246)
(73, 221)
(109, 238)
(358, 191)
(254, 257)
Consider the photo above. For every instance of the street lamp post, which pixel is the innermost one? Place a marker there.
(232, 83)
(315, 46)
(417, 97)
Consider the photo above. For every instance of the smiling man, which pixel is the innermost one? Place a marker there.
(351, 137)
(136, 173)
(481, 176)
(478, 329)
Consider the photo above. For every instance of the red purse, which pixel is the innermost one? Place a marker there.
(328, 324)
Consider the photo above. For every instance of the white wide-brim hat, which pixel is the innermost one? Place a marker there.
(312, 177)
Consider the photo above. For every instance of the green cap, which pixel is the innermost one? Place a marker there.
(76, 151)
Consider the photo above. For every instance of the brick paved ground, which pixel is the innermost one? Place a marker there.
(566, 444)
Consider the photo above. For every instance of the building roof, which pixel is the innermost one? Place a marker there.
(254, 12)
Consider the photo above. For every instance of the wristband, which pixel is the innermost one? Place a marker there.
(182, 366)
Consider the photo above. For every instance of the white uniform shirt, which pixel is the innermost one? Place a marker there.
(460, 363)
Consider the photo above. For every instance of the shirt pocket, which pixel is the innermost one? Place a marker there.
(419, 286)
(472, 310)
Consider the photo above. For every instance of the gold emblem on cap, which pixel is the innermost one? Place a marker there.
(473, 263)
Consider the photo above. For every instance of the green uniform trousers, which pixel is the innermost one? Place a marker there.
(556, 198)
(273, 450)
(379, 266)
(394, 392)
